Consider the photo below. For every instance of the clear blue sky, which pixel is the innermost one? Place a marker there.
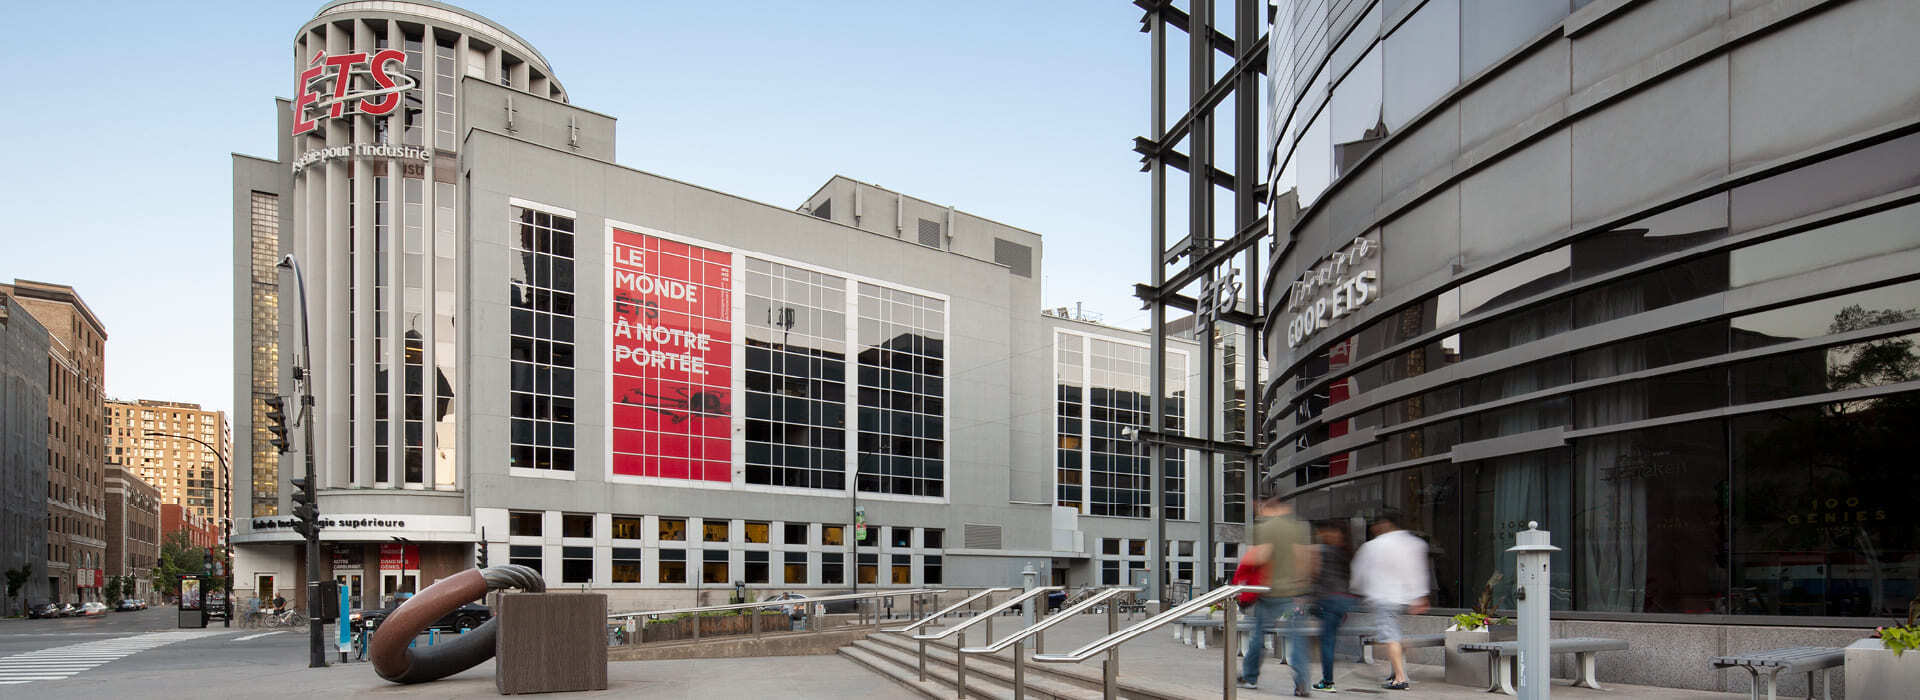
(121, 117)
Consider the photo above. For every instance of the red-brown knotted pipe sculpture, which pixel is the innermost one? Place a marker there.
(394, 661)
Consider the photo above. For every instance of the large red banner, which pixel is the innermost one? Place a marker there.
(672, 331)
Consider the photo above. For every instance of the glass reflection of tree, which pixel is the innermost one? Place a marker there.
(1829, 482)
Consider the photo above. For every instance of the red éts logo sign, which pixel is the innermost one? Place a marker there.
(312, 87)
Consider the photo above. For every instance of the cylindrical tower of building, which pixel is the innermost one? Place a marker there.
(374, 146)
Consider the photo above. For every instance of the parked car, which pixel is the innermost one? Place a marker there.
(129, 604)
(791, 610)
(69, 610)
(466, 616)
(93, 607)
(42, 610)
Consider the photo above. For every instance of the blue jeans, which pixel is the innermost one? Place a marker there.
(1331, 611)
(1266, 614)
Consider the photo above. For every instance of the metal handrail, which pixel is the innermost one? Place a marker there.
(778, 603)
(1126, 635)
(1110, 644)
(1051, 620)
(956, 606)
(987, 615)
(1018, 640)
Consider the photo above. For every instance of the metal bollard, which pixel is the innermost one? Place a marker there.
(1533, 549)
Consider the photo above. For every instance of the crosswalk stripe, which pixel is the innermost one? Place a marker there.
(59, 663)
(257, 636)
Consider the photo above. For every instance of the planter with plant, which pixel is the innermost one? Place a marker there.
(1473, 627)
(1887, 664)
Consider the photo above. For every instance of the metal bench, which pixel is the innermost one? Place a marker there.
(1586, 648)
(1774, 662)
(1411, 641)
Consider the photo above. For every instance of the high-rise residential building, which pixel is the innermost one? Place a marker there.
(525, 352)
(171, 445)
(24, 490)
(133, 530)
(75, 410)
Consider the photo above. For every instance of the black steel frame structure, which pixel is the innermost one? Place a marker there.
(1195, 273)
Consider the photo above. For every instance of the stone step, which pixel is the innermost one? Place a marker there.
(1072, 679)
(987, 676)
(891, 671)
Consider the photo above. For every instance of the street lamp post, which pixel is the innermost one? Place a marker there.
(226, 520)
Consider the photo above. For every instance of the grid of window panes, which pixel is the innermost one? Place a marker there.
(796, 417)
(445, 357)
(902, 391)
(660, 550)
(412, 110)
(1069, 430)
(382, 337)
(413, 225)
(541, 354)
(443, 81)
(1102, 392)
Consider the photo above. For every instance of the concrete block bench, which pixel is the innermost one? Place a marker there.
(1586, 648)
(1774, 662)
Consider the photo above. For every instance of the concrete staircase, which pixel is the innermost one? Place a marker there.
(896, 657)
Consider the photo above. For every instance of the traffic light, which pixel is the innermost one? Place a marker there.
(306, 509)
(480, 555)
(277, 422)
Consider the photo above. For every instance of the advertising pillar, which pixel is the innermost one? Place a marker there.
(193, 609)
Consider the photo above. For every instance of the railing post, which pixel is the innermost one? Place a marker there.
(696, 625)
(1110, 673)
(876, 613)
(1040, 638)
(960, 665)
(1227, 647)
(923, 661)
(755, 623)
(1020, 669)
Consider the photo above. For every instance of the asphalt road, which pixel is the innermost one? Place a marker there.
(143, 652)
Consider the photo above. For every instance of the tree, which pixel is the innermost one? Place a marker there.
(111, 591)
(17, 578)
(178, 555)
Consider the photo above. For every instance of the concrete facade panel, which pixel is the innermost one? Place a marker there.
(1843, 70)
(1520, 199)
(1518, 91)
(1640, 32)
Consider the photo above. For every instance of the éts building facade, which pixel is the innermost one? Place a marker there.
(524, 352)
(1643, 272)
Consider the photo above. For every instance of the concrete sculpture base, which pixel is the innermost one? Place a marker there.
(550, 642)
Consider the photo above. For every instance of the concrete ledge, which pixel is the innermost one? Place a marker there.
(771, 644)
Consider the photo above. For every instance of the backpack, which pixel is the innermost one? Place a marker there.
(1245, 574)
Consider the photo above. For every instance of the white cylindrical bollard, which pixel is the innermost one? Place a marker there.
(1028, 579)
(1534, 551)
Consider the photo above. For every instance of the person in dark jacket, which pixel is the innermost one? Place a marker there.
(1331, 598)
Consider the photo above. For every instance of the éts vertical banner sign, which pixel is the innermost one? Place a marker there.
(672, 357)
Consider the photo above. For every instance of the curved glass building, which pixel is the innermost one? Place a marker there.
(1647, 273)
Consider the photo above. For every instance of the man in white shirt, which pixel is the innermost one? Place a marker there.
(1390, 571)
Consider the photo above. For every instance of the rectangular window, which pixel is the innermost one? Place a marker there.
(902, 537)
(930, 572)
(1109, 573)
(673, 529)
(713, 530)
(755, 532)
(626, 565)
(903, 569)
(833, 568)
(869, 568)
(796, 355)
(540, 341)
(713, 566)
(833, 535)
(576, 565)
(673, 566)
(524, 523)
(902, 396)
(796, 533)
(576, 525)
(756, 565)
(525, 555)
(795, 569)
(932, 537)
(626, 527)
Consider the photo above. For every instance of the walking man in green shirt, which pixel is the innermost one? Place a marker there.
(1280, 544)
